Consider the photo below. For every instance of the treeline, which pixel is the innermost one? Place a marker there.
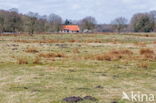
(140, 22)
(13, 22)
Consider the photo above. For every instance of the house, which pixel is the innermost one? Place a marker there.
(70, 28)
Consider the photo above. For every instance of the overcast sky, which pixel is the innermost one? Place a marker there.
(103, 10)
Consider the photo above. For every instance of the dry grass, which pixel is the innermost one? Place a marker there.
(52, 55)
(39, 41)
(107, 57)
(31, 50)
(37, 60)
(22, 61)
(124, 52)
(22, 41)
(143, 65)
(147, 54)
(93, 41)
(146, 51)
(141, 44)
(112, 55)
(76, 50)
(59, 41)
(38, 73)
(72, 41)
(149, 57)
(49, 41)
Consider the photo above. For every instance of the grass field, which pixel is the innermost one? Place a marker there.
(49, 68)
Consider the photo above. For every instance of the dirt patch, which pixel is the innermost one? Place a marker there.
(75, 99)
(99, 87)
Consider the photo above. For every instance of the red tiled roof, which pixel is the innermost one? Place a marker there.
(71, 27)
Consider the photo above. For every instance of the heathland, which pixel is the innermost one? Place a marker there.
(46, 68)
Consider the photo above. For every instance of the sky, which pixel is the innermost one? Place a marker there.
(103, 10)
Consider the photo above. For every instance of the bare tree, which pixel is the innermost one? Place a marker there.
(119, 24)
(12, 21)
(55, 22)
(31, 22)
(88, 23)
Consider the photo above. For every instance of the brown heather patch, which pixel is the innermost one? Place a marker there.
(147, 35)
(146, 51)
(154, 42)
(112, 55)
(52, 55)
(124, 52)
(108, 57)
(72, 41)
(143, 58)
(31, 50)
(149, 57)
(147, 54)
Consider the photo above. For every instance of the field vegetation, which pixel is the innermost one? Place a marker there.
(47, 68)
